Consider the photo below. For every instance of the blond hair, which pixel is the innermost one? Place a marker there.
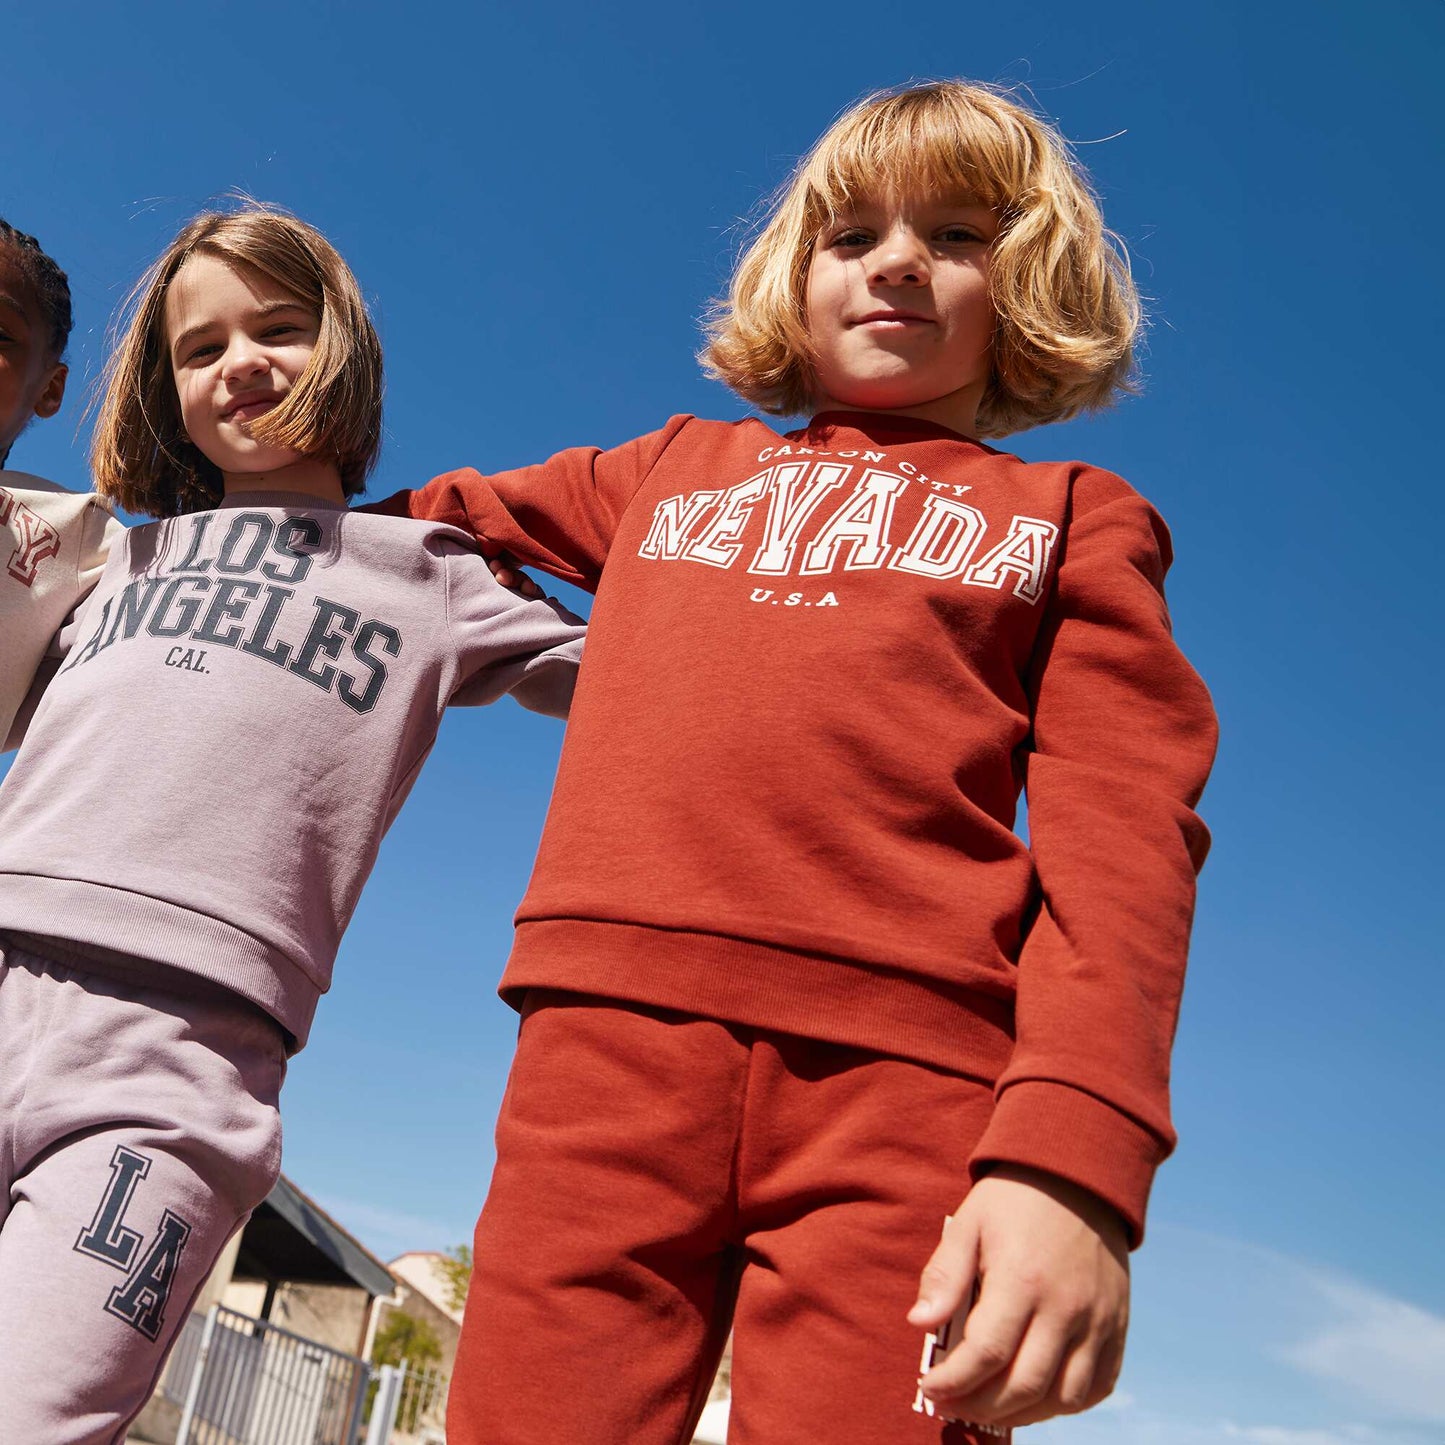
(1067, 310)
(140, 454)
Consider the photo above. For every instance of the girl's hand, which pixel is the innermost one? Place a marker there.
(1046, 1336)
(506, 570)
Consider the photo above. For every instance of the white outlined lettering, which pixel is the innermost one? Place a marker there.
(788, 512)
(861, 524)
(1025, 553)
(944, 541)
(673, 519)
(718, 544)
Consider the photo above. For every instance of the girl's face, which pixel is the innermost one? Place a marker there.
(238, 343)
(32, 382)
(898, 308)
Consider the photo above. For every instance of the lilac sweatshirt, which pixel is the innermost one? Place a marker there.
(244, 704)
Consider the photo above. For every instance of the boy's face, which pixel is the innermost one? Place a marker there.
(32, 382)
(899, 311)
(238, 343)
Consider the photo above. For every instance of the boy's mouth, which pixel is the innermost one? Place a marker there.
(889, 317)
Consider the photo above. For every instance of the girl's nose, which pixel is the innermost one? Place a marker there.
(901, 259)
(243, 360)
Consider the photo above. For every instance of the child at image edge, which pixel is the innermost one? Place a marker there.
(52, 542)
(788, 979)
(240, 709)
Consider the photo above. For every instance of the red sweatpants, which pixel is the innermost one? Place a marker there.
(660, 1177)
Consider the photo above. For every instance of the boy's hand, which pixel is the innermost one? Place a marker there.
(1046, 1336)
(510, 575)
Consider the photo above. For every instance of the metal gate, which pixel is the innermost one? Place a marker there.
(243, 1381)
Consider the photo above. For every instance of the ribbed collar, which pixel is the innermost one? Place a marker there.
(880, 426)
(280, 499)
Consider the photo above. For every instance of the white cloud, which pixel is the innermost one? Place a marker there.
(1388, 1350)
(1236, 1344)
(1282, 1435)
(1148, 1427)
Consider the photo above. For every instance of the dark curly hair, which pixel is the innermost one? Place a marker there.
(49, 283)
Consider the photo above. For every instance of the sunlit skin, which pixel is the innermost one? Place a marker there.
(238, 343)
(898, 309)
(32, 379)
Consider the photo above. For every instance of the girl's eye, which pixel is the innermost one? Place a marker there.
(285, 328)
(958, 235)
(846, 239)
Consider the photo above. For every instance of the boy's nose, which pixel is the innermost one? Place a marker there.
(900, 259)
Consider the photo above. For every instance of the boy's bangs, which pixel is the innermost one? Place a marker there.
(903, 148)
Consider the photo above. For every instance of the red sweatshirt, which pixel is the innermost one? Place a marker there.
(819, 669)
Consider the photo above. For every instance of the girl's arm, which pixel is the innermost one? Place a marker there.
(507, 644)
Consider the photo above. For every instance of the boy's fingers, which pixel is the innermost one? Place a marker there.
(1088, 1375)
(1072, 1390)
(1029, 1380)
(1078, 1378)
(991, 1337)
(515, 580)
(1107, 1370)
(948, 1277)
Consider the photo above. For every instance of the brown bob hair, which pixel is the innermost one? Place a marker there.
(140, 454)
(1068, 313)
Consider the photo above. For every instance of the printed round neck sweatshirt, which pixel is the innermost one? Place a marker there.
(52, 547)
(821, 667)
(244, 703)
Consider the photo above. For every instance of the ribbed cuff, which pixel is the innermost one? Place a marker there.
(1064, 1131)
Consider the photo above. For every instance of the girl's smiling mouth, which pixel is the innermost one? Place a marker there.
(249, 408)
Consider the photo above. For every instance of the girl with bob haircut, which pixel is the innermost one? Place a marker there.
(815, 990)
(170, 913)
(140, 454)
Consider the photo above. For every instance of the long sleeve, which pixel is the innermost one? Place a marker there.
(1123, 739)
(63, 540)
(506, 644)
(559, 515)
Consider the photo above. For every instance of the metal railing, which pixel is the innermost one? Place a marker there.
(244, 1381)
(421, 1413)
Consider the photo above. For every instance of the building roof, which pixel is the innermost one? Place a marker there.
(291, 1238)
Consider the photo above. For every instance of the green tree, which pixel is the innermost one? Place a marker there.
(456, 1270)
(405, 1338)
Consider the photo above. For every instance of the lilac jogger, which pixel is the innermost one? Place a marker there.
(138, 1129)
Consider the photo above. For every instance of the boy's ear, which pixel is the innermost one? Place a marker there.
(53, 393)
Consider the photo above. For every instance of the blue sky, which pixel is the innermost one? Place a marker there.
(540, 201)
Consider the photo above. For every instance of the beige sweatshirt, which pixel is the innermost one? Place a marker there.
(53, 546)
